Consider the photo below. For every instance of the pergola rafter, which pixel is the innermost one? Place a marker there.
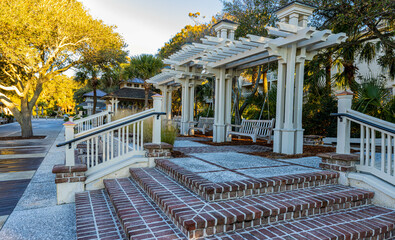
(291, 43)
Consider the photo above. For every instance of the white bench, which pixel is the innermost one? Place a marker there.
(3, 121)
(253, 129)
(204, 124)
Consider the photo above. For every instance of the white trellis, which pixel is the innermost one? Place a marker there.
(224, 57)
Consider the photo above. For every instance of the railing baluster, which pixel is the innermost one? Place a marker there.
(134, 136)
(112, 144)
(367, 155)
(142, 136)
(127, 138)
(389, 154)
(138, 137)
(383, 151)
(119, 144)
(362, 150)
(97, 150)
(87, 153)
(104, 144)
(373, 147)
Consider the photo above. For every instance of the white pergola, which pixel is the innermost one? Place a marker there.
(223, 57)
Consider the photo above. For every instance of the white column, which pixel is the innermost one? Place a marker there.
(228, 104)
(277, 142)
(156, 129)
(216, 94)
(191, 100)
(288, 134)
(299, 107)
(220, 107)
(69, 135)
(344, 101)
(185, 107)
(164, 101)
(169, 102)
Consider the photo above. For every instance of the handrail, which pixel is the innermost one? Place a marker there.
(114, 122)
(363, 121)
(109, 128)
(93, 116)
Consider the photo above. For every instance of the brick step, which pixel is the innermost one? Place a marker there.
(96, 217)
(199, 218)
(367, 222)
(141, 218)
(251, 187)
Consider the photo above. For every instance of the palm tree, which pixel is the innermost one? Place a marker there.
(144, 66)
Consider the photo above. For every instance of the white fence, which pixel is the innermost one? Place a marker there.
(93, 121)
(376, 159)
(112, 142)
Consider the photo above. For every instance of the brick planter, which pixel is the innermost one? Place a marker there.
(69, 180)
(162, 150)
(339, 162)
(67, 174)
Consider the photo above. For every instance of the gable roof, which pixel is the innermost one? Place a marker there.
(134, 80)
(99, 93)
(129, 93)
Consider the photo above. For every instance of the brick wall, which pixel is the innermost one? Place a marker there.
(65, 174)
(162, 150)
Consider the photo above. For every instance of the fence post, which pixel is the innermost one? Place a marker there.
(69, 134)
(156, 130)
(109, 109)
(344, 100)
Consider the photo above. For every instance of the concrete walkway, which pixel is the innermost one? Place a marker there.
(36, 215)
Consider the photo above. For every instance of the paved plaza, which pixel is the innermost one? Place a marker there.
(27, 189)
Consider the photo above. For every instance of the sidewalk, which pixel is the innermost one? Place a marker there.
(36, 216)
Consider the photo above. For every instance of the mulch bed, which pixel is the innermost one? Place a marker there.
(178, 154)
(21, 138)
(308, 150)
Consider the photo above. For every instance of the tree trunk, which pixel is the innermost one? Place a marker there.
(247, 101)
(24, 118)
(146, 90)
(26, 124)
(94, 100)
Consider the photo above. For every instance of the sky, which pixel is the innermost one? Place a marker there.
(147, 24)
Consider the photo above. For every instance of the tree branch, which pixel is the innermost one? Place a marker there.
(13, 88)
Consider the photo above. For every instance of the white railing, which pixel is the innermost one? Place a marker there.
(93, 121)
(112, 142)
(376, 159)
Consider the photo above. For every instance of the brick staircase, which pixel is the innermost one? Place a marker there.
(169, 202)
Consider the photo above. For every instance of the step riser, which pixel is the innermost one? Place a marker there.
(226, 221)
(258, 189)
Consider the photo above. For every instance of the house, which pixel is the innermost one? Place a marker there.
(88, 103)
(131, 94)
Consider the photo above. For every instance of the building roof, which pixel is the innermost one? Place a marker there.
(99, 93)
(134, 80)
(129, 93)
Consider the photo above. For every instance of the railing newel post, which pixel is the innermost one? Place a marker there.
(69, 135)
(343, 125)
(156, 130)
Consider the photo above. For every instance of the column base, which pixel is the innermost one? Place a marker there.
(184, 128)
(288, 141)
(299, 141)
(277, 141)
(219, 133)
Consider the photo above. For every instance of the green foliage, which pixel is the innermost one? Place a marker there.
(316, 115)
(190, 33)
(374, 99)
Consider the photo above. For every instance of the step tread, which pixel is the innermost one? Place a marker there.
(96, 217)
(193, 213)
(357, 223)
(212, 191)
(140, 217)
